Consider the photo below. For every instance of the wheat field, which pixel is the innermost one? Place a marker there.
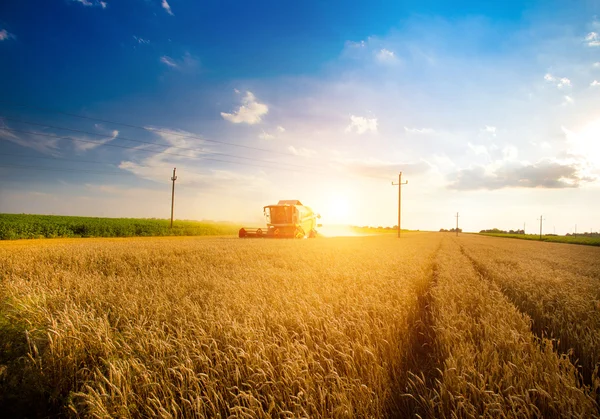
(430, 325)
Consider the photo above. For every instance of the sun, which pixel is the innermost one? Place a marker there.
(338, 210)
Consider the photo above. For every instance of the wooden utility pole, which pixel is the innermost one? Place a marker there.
(173, 178)
(399, 184)
(541, 219)
(457, 224)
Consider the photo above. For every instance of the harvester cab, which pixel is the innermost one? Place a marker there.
(286, 219)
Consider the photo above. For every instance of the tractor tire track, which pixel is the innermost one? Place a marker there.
(541, 329)
(423, 365)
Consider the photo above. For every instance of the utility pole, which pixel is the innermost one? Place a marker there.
(523, 227)
(541, 219)
(399, 184)
(575, 230)
(173, 178)
(457, 224)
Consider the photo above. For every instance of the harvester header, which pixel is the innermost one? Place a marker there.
(286, 219)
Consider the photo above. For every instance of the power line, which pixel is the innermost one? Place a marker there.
(106, 121)
(61, 169)
(154, 151)
(59, 158)
(85, 161)
(148, 142)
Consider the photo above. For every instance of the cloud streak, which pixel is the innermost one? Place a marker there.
(45, 145)
(419, 130)
(88, 3)
(166, 6)
(5, 35)
(186, 64)
(87, 143)
(302, 151)
(168, 61)
(377, 169)
(141, 40)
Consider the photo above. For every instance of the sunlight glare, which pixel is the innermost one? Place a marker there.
(338, 210)
(586, 141)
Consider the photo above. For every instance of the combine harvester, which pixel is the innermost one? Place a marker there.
(288, 219)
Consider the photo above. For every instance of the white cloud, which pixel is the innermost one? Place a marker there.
(560, 82)
(301, 151)
(490, 129)
(166, 6)
(564, 82)
(478, 149)
(361, 124)
(593, 39)
(5, 35)
(89, 3)
(419, 130)
(568, 100)
(250, 112)
(265, 136)
(168, 61)
(595, 83)
(386, 56)
(352, 44)
(141, 40)
(268, 136)
(546, 174)
(596, 65)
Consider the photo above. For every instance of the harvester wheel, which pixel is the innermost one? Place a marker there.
(242, 233)
(259, 233)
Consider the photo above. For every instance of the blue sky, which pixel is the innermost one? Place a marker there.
(490, 109)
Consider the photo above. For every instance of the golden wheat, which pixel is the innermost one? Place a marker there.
(221, 327)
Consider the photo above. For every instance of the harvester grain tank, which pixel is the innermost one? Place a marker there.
(286, 219)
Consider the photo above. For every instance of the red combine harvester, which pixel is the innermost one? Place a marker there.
(288, 219)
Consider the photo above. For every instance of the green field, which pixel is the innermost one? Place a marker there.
(587, 240)
(29, 226)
